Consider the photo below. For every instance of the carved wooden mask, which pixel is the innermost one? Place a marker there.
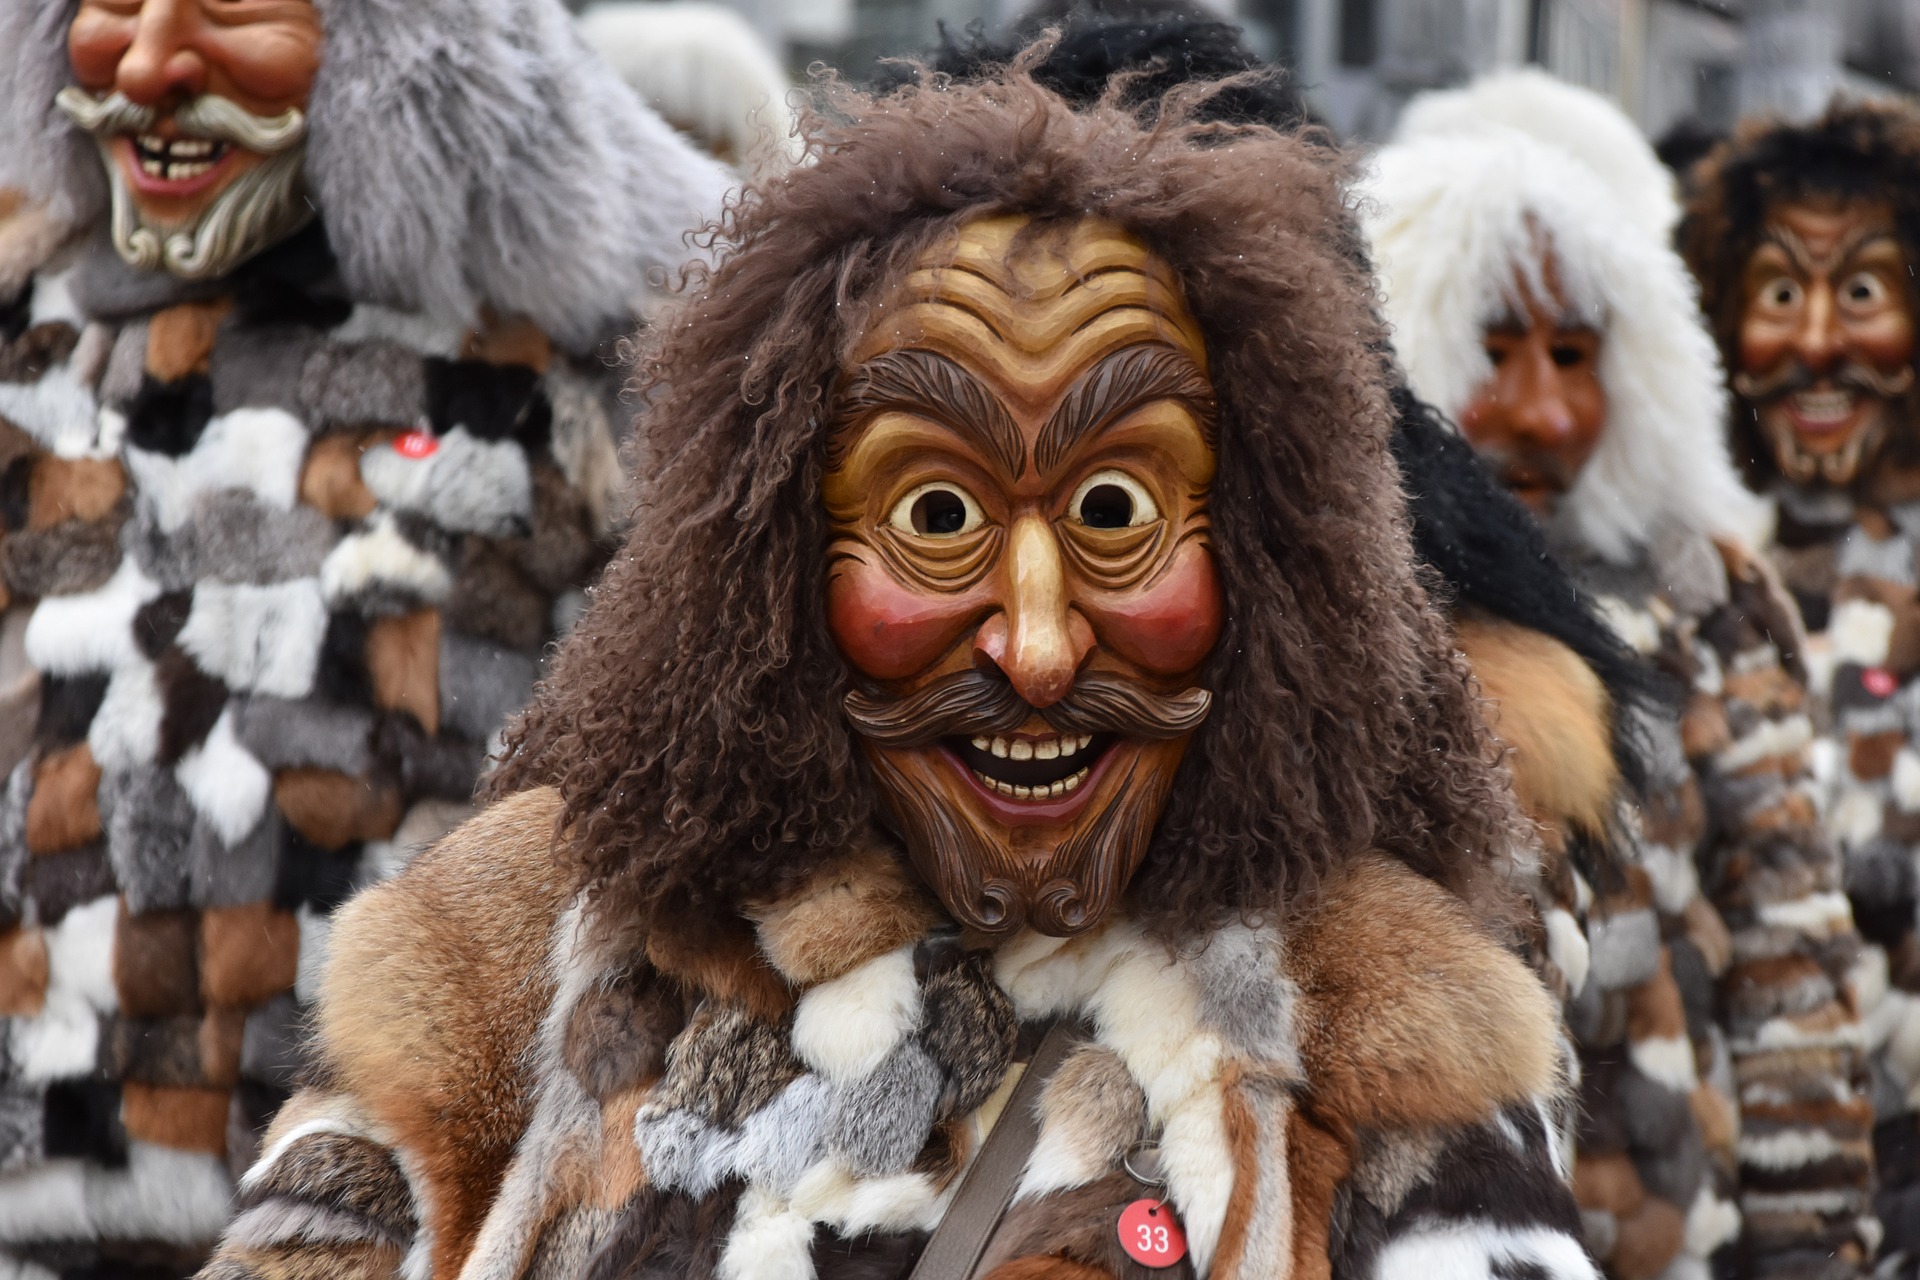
(1826, 336)
(1021, 568)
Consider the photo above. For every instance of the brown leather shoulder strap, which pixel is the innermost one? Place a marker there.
(987, 1187)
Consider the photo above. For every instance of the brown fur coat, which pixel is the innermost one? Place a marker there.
(1376, 1084)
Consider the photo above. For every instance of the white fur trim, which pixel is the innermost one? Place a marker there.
(92, 631)
(125, 732)
(1905, 782)
(258, 639)
(845, 1028)
(1449, 216)
(1472, 1251)
(1860, 631)
(1787, 736)
(1638, 628)
(1819, 914)
(228, 787)
(1856, 816)
(180, 1197)
(826, 1193)
(1788, 1149)
(379, 555)
(258, 450)
(1676, 881)
(336, 1114)
(57, 410)
(1711, 1222)
(1667, 1059)
(768, 1242)
(1567, 948)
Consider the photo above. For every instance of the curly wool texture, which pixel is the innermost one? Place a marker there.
(1459, 221)
(464, 155)
(707, 764)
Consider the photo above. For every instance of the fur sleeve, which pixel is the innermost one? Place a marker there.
(1487, 1202)
(325, 1199)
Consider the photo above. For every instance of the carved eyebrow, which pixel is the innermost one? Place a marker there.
(1802, 256)
(1119, 384)
(932, 386)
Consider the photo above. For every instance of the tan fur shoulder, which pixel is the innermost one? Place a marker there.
(1412, 1016)
(1545, 704)
(435, 987)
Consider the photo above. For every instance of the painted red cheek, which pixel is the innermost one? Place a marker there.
(886, 630)
(1170, 628)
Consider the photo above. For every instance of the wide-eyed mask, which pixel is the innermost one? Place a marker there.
(1538, 418)
(198, 107)
(1020, 571)
(1826, 336)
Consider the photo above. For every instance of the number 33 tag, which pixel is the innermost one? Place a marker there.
(1151, 1234)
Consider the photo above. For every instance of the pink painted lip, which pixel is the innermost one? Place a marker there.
(148, 185)
(1036, 813)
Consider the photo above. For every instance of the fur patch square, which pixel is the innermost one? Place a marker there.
(224, 875)
(466, 485)
(330, 480)
(23, 972)
(381, 569)
(489, 401)
(285, 734)
(61, 489)
(180, 338)
(226, 786)
(259, 366)
(403, 659)
(183, 1118)
(67, 707)
(262, 639)
(148, 821)
(68, 559)
(82, 1121)
(167, 417)
(92, 632)
(234, 538)
(495, 600)
(273, 1047)
(482, 684)
(332, 810)
(155, 966)
(248, 954)
(311, 876)
(364, 384)
(154, 1050)
(64, 812)
(59, 882)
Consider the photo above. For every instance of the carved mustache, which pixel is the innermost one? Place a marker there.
(974, 702)
(208, 116)
(1794, 376)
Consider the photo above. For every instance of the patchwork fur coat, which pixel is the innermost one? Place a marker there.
(1754, 994)
(1373, 1088)
(277, 564)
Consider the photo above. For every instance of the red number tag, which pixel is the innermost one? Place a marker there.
(1150, 1233)
(416, 445)
(1880, 682)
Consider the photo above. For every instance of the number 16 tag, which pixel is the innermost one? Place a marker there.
(1150, 1233)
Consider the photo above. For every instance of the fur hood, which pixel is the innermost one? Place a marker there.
(1449, 216)
(465, 154)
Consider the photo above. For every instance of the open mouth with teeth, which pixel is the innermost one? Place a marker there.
(175, 162)
(1818, 411)
(1024, 767)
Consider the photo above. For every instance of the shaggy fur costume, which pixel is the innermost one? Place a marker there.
(685, 1013)
(235, 518)
(1849, 558)
(463, 155)
(1453, 216)
(1717, 969)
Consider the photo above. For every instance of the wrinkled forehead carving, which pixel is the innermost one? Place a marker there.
(1027, 312)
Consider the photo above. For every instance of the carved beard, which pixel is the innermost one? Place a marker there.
(255, 211)
(1764, 396)
(1060, 879)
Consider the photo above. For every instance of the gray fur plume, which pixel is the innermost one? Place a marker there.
(45, 157)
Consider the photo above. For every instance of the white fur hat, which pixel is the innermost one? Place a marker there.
(1454, 217)
(464, 153)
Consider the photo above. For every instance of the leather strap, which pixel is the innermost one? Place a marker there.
(986, 1189)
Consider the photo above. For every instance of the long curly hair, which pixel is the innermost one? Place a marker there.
(1856, 150)
(692, 723)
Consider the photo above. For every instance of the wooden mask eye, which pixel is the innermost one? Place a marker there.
(1112, 499)
(938, 510)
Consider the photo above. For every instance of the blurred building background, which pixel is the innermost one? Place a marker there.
(1698, 64)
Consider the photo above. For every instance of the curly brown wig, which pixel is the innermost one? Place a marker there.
(693, 723)
(1857, 150)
